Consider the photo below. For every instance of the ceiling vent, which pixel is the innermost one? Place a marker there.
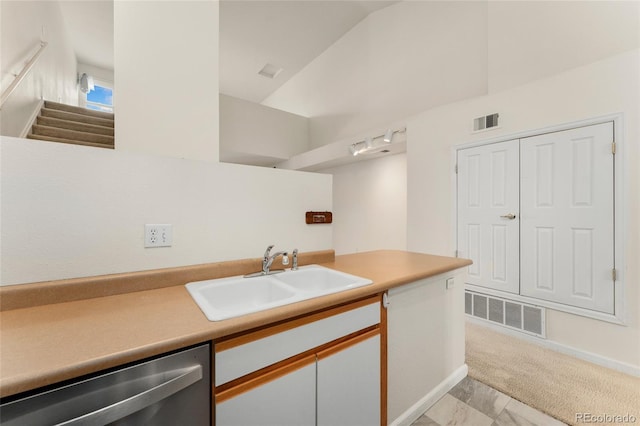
(486, 122)
(270, 71)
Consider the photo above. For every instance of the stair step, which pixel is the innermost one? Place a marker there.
(78, 110)
(80, 118)
(52, 139)
(74, 125)
(38, 129)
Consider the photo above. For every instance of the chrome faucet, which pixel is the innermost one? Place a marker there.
(268, 259)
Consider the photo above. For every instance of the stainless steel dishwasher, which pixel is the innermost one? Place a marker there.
(171, 390)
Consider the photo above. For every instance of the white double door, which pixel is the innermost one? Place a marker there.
(536, 216)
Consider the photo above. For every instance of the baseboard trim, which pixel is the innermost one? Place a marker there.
(600, 360)
(32, 119)
(419, 408)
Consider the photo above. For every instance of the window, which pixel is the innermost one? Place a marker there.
(100, 99)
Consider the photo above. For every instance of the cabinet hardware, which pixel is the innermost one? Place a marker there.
(509, 216)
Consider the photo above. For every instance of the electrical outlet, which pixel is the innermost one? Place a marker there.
(450, 283)
(158, 235)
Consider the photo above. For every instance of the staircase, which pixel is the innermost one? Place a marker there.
(75, 125)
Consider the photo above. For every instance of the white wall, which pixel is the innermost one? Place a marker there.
(370, 205)
(253, 131)
(608, 86)
(71, 211)
(166, 69)
(530, 40)
(23, 25)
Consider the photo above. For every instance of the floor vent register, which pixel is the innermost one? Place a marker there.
(518, 316)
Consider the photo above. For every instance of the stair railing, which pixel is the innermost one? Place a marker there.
(16, 82)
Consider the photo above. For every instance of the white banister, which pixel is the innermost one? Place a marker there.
(14, 84)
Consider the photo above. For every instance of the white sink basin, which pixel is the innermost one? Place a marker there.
(225, 298)
(231, 297)
(319, 280)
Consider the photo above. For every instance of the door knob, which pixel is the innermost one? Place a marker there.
(510, 216)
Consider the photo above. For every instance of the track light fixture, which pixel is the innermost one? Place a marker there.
(368, 144)
(388, 136)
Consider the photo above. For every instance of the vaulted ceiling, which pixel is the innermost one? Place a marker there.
(286, 34)
(351, 65)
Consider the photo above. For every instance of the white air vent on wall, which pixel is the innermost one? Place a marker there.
(529, 319)
(485, 122)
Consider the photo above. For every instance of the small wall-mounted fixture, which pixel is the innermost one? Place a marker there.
(86, 83)
(368, 145)
(313, 218)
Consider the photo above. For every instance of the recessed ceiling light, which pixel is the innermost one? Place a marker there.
(270, 71)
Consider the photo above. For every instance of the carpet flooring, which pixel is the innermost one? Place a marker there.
(567, 388)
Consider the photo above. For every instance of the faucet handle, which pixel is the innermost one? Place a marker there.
(285, 259)
(294, 267)
(268, 251)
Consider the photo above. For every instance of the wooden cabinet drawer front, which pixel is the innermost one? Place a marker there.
(234, 361)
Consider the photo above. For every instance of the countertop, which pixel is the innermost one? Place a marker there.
(43, 345)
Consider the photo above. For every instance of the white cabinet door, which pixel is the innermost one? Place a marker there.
(488, 205)
(288, 398)
(567, 191)
(349, 384)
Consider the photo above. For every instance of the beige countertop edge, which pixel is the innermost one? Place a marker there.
(81, 288)
(388, 269)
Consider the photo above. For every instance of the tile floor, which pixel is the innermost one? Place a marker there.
(471, 403)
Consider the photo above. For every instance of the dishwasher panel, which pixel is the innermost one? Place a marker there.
(170, 390)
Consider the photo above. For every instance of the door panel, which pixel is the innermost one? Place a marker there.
(499, 254)
(567, 243)
(487, 191)
(287, 400)
(349, 385)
